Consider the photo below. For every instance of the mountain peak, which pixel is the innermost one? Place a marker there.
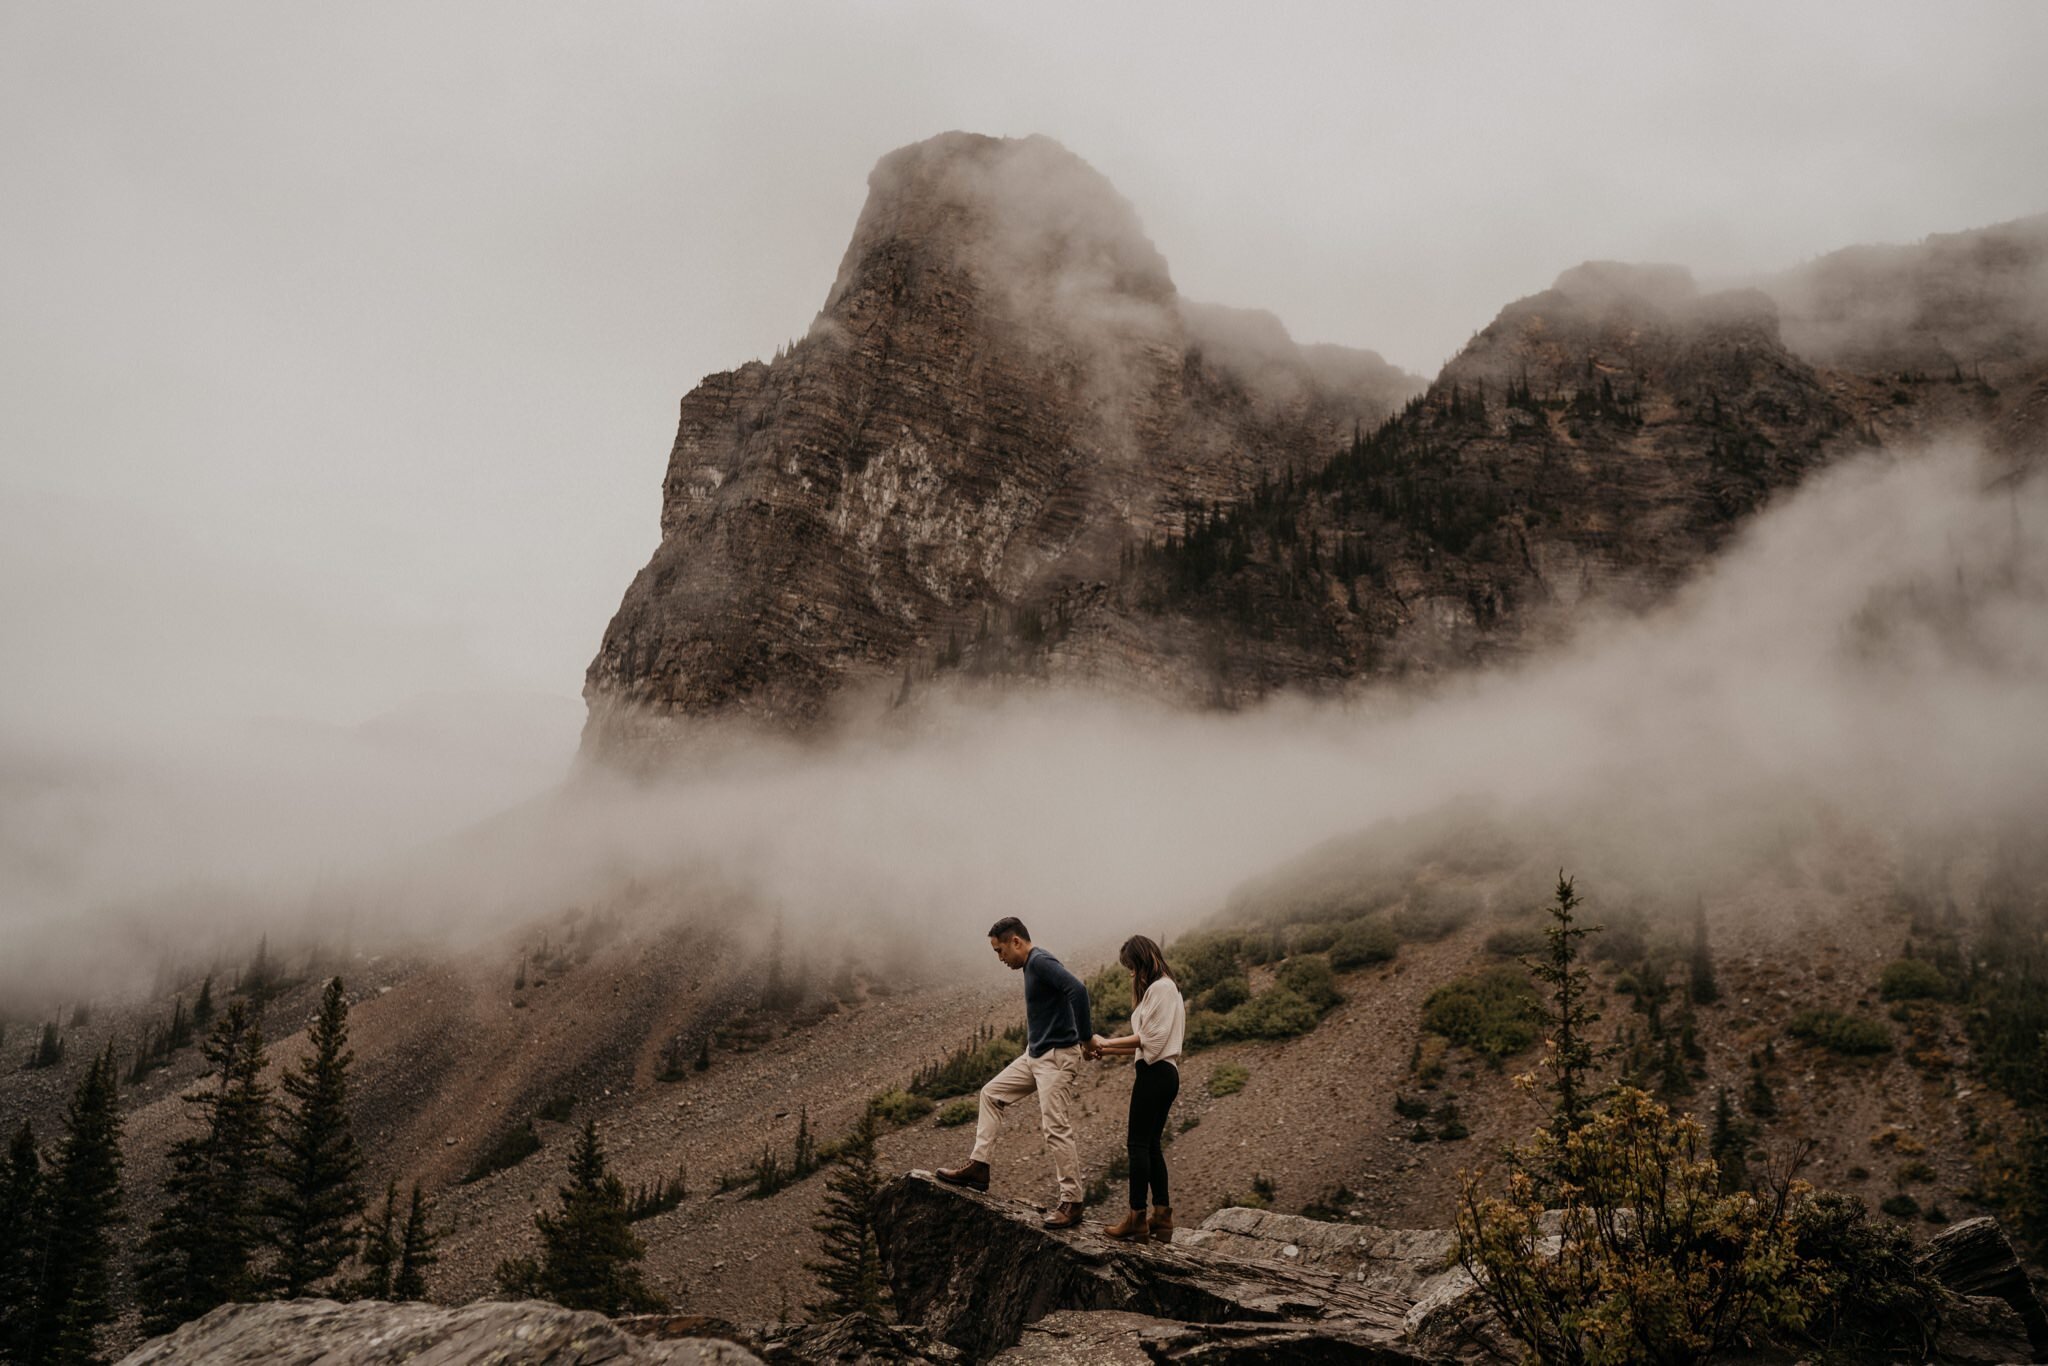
(1024, 217)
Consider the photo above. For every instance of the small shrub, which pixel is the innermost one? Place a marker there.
(1204, 1027)
(1200, 961)
(1848, 1035)
(1916, 1172)
(1310, 978)
(962, 1110)
(1264, 1188)
(1450, 1125)
(1228, 1079)
(507, 1150)
(1494, 1013)
(1226, 996)
(1912, 979)
(558, 1109)
(1872, 1294)
(1368, 941)
(1430, 915)
(1407, 1107)
(1316, 938)
(1516, 941)
(1276, 1013)
(898, 1108)
(1901, 1206)
(1109, 995)
(970, 1066)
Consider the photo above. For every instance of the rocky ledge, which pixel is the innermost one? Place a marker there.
(976, 1279)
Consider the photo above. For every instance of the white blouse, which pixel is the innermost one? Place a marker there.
(1159, 1022)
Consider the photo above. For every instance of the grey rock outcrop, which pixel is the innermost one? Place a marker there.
(976, 1271)
(371, 1333)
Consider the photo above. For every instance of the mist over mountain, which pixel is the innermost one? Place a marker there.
(1020, 584)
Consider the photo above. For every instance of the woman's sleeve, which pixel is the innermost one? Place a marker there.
(1146, 1024)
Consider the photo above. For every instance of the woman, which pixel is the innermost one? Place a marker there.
(1157, 1024)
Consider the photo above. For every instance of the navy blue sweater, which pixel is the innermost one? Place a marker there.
(1055, 1005)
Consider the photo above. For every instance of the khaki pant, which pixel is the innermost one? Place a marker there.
(1053, 1077)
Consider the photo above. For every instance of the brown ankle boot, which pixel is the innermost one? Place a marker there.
(1132, 1225)
(1162, 1223)
(971, 1174)
(1066, 1215)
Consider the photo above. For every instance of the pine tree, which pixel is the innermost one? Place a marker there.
(1705, 990)
(49, 1049)
(1569, 1016)
(200, 1251)
(180, 1033)
(316, 1164)
(1728, 1144)
(415, 1250)
(73, 1226)
(849, 1271)
(202, 1009)
(21, 1193)
(380, 1249)
(589, 1255)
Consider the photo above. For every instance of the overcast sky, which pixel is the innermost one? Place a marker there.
(340, 345)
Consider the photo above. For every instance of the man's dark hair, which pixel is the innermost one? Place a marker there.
(1008, 926)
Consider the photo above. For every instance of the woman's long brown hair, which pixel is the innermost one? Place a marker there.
(1147, 964)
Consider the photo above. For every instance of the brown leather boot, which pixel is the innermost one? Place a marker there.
(1066, 1214)
(1132, 1225)
(971, 1174)
(1162, 1223)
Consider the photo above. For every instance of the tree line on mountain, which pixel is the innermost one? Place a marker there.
(264, 1200)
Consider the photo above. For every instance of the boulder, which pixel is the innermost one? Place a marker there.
(975, 1271)
(372, 1333)
(1973, 1258)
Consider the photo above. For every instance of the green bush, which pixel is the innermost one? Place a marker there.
(898, 1108)
(1109, 996)
(1901, 1206)
(1432, 914)
(1494, 1012)
(1226, 995)
(1516, 941)
(1316, 938)
(1368, 941)
(1912, 979)
(1310, 978)
(963, 1110)
(1228, 1078)
(969, 1067)
(1204, 1027)
(1849, 1035)
(1200, 961)
(1276, 1013)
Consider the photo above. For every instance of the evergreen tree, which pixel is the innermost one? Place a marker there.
(1729, 1144)
(82, 1202)
(316, 1165)
(199, 1253)
(21, 1192)
(380, 1249)
(180, 1033)
(589, 1255)
(415, 1250)
(202, 1009)
(1759, 1099)
(49, 1049)
(1705, 990)
(1569, 1015)
(849, 1271)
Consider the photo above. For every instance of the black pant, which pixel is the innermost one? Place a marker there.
(1153, 1087)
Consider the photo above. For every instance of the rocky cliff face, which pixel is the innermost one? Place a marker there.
(1002, 390)
(1008, 449)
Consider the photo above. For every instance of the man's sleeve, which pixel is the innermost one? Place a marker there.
(1077, 999)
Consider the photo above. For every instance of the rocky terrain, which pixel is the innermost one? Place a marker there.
(976, 1279)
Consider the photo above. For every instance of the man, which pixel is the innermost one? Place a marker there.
(1057, 1036)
